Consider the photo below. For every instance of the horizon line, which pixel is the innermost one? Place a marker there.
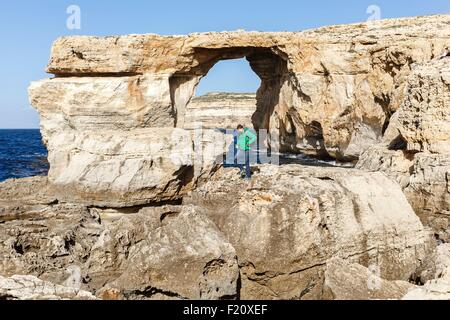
(19, 128)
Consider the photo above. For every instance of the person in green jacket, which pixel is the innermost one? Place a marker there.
(244, 141)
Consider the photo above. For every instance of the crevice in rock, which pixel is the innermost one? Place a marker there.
(185, 175)
(18, 248)
(325, 178)
(416, 279)
(149, 292)
(398, 143)
(78, 54)
(239, 285)
(385, 102)
(165, 215)
(6, 297)
(212, 266)
(138, 208)
(308, 289)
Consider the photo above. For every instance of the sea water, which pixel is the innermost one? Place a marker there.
(22, 154)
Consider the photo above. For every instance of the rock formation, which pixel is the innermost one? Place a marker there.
(439, 287)
(137, 206)
(269, 239)
(326, 92)
(289, 220)
(118, 254)
(416, 153)
(32, 288)
(424, 115)
(352, 281)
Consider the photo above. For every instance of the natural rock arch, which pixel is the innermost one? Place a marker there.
(270, 67)
(110, 115)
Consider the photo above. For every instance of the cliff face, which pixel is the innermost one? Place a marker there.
(416, 151)
(135, 206)
(220, 111)
(329, 91)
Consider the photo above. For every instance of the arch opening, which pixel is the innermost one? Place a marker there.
(229, 76)
(277, 100)
(224, 97)
(270, 68)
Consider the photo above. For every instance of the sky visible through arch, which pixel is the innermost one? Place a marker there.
(229, 76)
(28, 28)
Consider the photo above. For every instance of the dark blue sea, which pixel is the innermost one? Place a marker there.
(22, 154)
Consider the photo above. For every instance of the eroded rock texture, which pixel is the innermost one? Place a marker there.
(439, 287)
(326, 92)
(352, 281)
(424, 115)
(424, 179)
(135, 206)
(417, 153)
(266, 239)
(170, 252)
(151, 253)
(288, 221)
(32, 288)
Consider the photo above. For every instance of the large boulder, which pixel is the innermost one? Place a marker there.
(288, 221)
(173, 252)
(169, 252)
(424, 178)
(397, 164)
(352, 281)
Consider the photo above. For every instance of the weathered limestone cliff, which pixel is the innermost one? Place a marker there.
(109, 115)
(137, 206)
(417, 152)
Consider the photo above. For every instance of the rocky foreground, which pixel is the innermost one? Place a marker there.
(292, 232)
(137, 206)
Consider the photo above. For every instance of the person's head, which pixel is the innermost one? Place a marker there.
(240, 128)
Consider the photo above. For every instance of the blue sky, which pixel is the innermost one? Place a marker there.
(28, 28)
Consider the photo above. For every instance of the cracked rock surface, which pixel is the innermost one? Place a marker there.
(129, 210)
(269, 238)
(157, 252)
(417, 152)
(288, 221)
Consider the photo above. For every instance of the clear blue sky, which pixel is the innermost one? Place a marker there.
(28, 28)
